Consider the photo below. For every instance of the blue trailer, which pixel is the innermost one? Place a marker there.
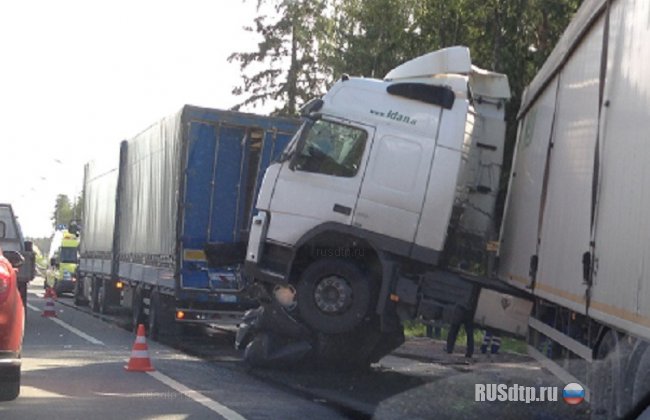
(166, 227)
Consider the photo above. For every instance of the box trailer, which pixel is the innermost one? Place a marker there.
(575, 231)
(165, 228)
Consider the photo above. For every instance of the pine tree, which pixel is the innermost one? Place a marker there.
(285, 68)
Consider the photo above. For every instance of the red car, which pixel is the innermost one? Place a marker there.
(12, 325)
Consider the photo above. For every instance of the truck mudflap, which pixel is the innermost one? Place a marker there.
(271, 337)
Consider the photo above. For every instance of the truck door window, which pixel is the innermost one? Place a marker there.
(332, 149)
(254, 149)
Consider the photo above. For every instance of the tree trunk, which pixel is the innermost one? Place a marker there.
(292, 81)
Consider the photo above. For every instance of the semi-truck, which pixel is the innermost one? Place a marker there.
(165, 226)
(379, 211)
(352, 251)
(575, 232)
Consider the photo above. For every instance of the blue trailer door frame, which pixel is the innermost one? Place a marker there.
(221, 182)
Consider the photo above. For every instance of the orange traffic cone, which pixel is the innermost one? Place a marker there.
(48, 310)
(139, 361)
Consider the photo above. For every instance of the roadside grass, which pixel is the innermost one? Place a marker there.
(418, 329)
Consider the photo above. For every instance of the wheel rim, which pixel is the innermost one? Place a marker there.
(333, 294)
(101, 299)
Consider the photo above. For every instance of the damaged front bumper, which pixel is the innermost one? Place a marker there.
(270, 337)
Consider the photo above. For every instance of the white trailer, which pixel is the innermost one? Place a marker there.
(575, 231)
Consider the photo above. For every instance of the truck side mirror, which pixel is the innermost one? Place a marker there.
(15, 258)
(313, 105)
(292, 164)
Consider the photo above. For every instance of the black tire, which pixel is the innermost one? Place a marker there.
(79, 299)
(641, 385)
(137, 315)
(94, 295)
(334, 295)
(10, 384)
(153, 330)
(102, 298)
(606, 379)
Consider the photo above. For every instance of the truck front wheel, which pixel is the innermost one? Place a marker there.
(334, 295)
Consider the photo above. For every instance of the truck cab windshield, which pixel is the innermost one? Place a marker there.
(330, 148)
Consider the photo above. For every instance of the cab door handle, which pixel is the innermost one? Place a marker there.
(338, 208)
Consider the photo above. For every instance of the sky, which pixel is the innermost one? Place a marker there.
(77, 77)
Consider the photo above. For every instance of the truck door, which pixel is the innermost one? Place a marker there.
(394, 188)
(322, 180)
(212, 180)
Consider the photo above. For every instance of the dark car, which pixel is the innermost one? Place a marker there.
(12, 325)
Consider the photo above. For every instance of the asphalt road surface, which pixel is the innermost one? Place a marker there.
(73, 368)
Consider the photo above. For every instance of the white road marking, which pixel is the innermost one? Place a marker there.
(218, 408)
(209, 403)
(70, 328)
(80, 333)
(33, 308)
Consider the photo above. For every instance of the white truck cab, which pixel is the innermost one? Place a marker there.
(359, 207)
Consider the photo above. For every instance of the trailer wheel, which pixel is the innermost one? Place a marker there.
(136, 309)
(334, 295)
(607, 384)
(10, 383)
(78, 293)
(641, 388)
(94, 295)
(102, 298)
(153, 330)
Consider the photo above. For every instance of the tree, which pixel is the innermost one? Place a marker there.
(287, 57)
(62, 211)
(370, 37)
(311, 43)
(78, 209)
(66, 211)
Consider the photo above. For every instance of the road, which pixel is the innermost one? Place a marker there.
(73, 368)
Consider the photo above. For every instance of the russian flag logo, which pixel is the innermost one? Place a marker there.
(573, 393)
